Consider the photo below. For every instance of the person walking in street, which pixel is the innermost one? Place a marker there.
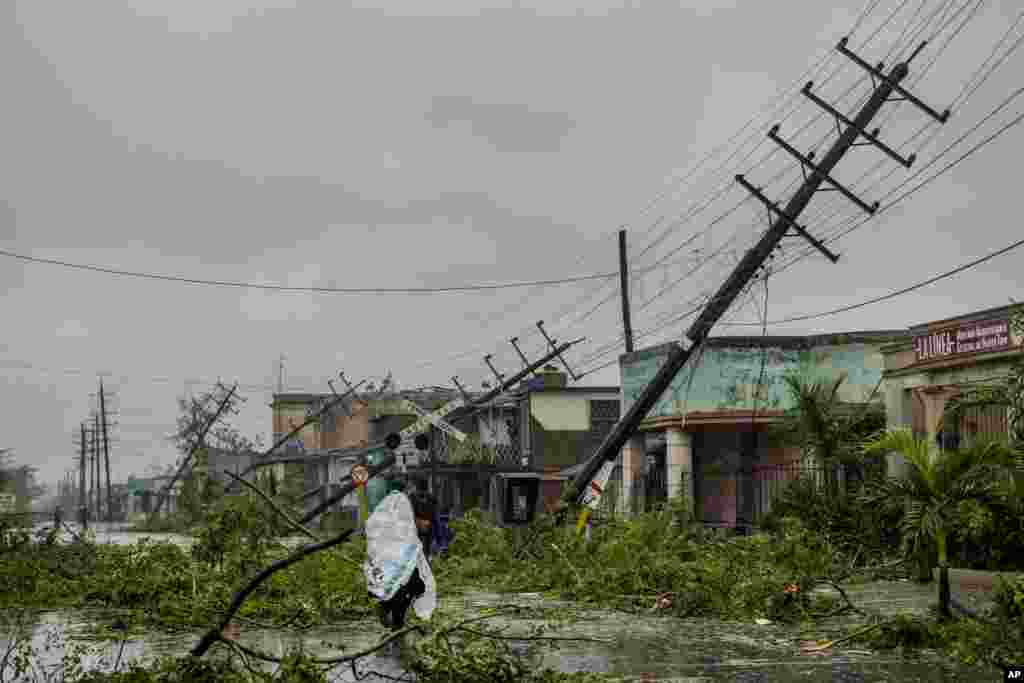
(398, 536)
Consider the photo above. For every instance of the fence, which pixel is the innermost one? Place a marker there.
(737, 497)
(449, 450)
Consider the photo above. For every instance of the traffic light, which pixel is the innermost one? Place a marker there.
(422, 442)
(392, 441)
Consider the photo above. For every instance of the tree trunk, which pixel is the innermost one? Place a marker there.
(944, 612)
(925, 562)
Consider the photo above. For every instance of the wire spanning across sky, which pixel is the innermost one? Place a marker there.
(488, 181)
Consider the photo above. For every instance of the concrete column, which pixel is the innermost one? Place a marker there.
(679, 462)
(632, 466)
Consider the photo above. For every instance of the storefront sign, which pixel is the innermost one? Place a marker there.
(980, 337)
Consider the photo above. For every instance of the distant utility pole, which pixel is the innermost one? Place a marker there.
(83, 502)
(106, 448)
(627, 326)
(91, 497)
(97, 483)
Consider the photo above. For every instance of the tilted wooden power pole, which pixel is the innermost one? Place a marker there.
(470, 407)
(815, 175)
(192, 451)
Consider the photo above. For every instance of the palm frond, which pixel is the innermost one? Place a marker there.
(918, 452)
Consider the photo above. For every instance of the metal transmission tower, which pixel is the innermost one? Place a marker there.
(785, 218)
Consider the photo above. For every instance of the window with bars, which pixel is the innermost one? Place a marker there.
(979, 423)
(603, 417)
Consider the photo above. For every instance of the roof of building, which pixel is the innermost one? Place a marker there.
(305, 397)
(779, 341)
(568, 390)
(986, 314)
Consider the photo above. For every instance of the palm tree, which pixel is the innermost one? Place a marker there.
(822, 424)
(937, 482)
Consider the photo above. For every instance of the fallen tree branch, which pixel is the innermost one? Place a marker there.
(218, 637)
(214, 634)
(846, 598)
(579, 579)
(329, 660)
(525, 638)
(73, 534)
(241, 655)
(259, 624)
(855, 634)
(274, 506)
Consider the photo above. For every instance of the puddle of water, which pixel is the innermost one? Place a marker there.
(117, 534)
(661, 648)
(76, 625)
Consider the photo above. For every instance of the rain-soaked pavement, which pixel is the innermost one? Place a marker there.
(640, 647)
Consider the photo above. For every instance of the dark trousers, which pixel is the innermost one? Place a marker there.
(397, 607)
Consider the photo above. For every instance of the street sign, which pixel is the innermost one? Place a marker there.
(360, 475)
(434, 418)
(7, 501)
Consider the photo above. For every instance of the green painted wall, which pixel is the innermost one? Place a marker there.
(725, 378)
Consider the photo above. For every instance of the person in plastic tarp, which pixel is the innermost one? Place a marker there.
(397, 571)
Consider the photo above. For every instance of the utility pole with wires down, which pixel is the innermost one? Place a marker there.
(753, 261)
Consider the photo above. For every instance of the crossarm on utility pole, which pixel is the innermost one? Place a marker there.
(746, 269)
(295, 430)
(389, 460)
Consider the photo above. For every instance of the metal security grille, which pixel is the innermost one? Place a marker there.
(449, 450)
(983, 423)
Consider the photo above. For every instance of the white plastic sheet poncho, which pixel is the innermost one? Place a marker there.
(394, 551)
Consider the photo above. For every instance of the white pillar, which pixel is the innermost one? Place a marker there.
(632, 466)
(679, 462)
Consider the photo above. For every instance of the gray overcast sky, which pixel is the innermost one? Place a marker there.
(431, 144)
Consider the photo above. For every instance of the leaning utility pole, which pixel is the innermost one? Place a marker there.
(106, 449)
(755, 258)
(192, 451)
(468, 408)
(627, 326)
(83, 502)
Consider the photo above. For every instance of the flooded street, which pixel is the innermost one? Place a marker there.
(637, 647)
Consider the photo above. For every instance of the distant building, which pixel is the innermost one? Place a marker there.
(706, 431)
(939, 361)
